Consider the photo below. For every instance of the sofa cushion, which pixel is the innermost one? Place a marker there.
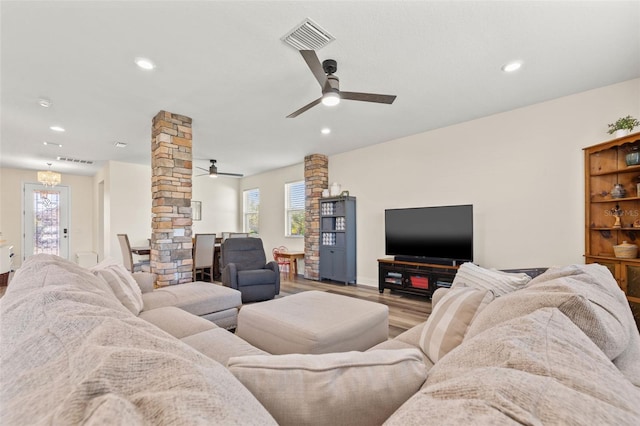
(220, 345)
(446, 326)
(590, 297)
(121, 282)
(348, 388)
(536, 369)
(176, 322)
(406, 340)
(77, 356)
(499, 282)
(145, 280)
(199, 298)
(256, 277)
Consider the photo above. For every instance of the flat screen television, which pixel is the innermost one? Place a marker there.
(430, 234)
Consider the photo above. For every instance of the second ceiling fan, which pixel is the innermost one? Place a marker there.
(330, 84)
(213, 171)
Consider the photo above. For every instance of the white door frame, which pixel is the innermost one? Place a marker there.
(64, 234)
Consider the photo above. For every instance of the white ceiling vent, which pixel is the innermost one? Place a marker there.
(308, 36)
(75, 160)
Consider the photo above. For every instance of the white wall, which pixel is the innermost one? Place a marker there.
(221, 204)
(522, 170)
(126, 206)
(127, 203)
(81, 212)
(272, 207)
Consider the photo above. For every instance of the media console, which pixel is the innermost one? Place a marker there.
(412, 277)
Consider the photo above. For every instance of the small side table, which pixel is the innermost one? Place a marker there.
(293, 257)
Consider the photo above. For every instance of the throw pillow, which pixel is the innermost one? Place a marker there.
(590, 297)
(332, 389)
(499, 282)
(121, 282)
(446, 326)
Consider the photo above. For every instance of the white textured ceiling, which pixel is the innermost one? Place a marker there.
(222, 63)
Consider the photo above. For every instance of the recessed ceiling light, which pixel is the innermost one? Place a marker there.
(512, 66)
(145, 64)
(120, 144)
(45, 103)
(57, 128)
(52, 144)
(325, 131)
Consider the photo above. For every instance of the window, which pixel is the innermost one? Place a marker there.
(294, 209)
(251, 207)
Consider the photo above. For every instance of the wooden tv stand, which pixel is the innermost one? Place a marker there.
(417, 278)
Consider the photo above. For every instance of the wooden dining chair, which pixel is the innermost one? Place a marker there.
(203, 251)
(127, 256)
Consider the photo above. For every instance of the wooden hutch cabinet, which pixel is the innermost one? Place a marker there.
(612, 211)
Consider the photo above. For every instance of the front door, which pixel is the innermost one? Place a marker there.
(46, 220)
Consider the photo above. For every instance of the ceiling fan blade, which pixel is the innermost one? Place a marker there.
(304, 108)
(230, 174)
(315, 66)
(206, 170)
(368, 97)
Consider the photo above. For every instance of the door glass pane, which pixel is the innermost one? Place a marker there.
(633, 281)
(46, 217)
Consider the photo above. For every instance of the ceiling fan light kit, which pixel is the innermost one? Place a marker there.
(330, 85)
(331, 98)
(213, 170)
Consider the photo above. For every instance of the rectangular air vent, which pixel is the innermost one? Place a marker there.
(75, 160)
(308, 36)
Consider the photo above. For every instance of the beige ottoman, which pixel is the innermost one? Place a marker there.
(313, 322)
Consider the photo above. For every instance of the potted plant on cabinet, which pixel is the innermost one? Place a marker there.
(623, 126)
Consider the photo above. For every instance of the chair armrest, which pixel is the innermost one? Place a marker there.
(230, 276)
(146, 281)
(273, 265)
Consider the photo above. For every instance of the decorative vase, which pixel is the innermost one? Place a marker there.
(621, 133)
(618, 191)
(335, 189)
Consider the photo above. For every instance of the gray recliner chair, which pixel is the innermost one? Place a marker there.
(245, 268)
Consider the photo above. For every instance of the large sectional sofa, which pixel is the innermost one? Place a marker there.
(562, 348)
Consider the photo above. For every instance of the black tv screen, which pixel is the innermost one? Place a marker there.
(430, 232)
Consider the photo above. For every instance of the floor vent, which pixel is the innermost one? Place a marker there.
(308, 36)
(75, 160)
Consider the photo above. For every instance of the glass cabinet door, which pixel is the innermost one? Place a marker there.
(614, 268)
(631, 282)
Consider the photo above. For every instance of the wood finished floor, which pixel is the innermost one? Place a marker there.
(405, 311)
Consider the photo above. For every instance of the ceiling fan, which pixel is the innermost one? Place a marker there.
(330, 85)
(213, 171)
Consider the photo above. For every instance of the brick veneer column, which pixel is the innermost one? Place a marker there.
(171, 167)
(316, 178)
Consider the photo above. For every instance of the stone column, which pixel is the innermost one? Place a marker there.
(316, 178)
(171, 168)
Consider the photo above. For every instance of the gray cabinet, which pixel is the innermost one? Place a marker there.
(338, 239)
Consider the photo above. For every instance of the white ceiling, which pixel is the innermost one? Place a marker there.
(222, 63)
